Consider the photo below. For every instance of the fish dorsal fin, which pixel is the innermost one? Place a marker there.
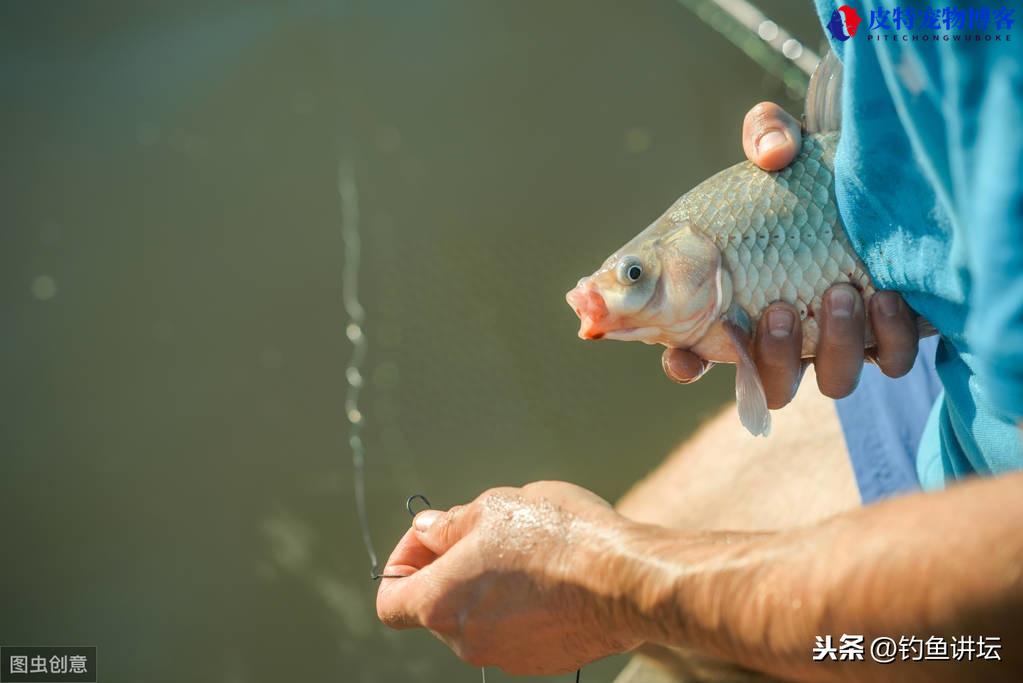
(750, 397)
(823, 110)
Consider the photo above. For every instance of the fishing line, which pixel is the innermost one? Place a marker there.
(349, 196)
(348, 192)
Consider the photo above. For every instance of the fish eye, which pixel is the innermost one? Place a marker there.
(629, 271)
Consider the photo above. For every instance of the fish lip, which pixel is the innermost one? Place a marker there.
(589, 330)
(591, 308)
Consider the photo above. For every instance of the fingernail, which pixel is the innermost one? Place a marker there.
(425, 519)
(841, 303)
(780, 322)
(772, 139)
(889, 304)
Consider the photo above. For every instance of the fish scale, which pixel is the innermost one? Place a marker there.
(779, 234)
(701, 275)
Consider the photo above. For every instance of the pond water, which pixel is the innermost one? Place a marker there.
(175, 479)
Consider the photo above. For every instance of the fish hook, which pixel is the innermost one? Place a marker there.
(373, 575)
(416, 496)
(376, 577)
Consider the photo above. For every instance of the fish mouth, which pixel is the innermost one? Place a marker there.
(647, 335)
(591, 308)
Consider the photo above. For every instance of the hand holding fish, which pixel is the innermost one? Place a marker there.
(753, 267)
(771, 139)
(515, 579)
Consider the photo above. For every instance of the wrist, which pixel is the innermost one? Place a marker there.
(717, 592)
(649, 573)
(617, 573)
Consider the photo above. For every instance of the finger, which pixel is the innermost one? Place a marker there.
(398, 599)
(409, 556)
(894, 332)
(840, 346)
(438, 530)
(771, 138)
(776, 351)
(683, 366)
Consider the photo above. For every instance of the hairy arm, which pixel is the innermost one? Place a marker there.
(725, 478)
(929, 564)
(544, 578)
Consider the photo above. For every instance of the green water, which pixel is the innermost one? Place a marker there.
(175, 480)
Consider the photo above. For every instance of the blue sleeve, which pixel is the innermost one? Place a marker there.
(929, 183)
(987, 120)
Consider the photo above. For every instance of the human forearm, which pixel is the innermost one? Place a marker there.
(760, 600)
(544, 578)
(725, 478)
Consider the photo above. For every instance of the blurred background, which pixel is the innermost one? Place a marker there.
(175, 475)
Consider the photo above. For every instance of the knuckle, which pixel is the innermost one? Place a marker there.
(490, 496)
(543, 486)
(444, 522)
(443, 527)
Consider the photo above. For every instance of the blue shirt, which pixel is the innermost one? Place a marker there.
(929, 182)
(883, 422)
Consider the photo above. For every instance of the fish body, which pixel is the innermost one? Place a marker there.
(701, 275)
(780, 238)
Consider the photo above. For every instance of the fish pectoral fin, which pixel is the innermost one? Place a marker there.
(749, 390)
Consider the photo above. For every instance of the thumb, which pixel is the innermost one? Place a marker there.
(439, 530)
(771, 138)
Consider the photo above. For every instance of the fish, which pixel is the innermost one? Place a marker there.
(700, 276)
